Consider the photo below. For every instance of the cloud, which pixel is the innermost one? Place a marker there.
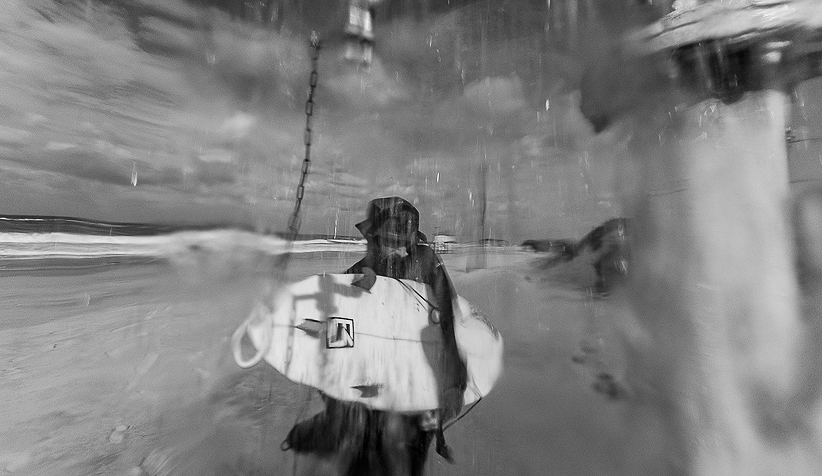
(166, 35)
(373, 90)
(237, 126)
(494, 98)
(25, 190)
(177, 10)
(216, 172)
(205, 108)
(100, 165)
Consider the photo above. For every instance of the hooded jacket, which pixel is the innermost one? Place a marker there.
(416, 261)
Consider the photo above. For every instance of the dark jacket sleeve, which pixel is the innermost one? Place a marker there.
(355, 268)
(455, 374)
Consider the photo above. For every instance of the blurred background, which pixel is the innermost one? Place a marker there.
(193, 112)
(486, 114)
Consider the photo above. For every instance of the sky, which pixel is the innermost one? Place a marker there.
(174, 112)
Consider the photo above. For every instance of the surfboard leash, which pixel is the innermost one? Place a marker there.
(462, 415)
(421, 299)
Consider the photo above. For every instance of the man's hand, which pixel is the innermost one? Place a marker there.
(366, 282)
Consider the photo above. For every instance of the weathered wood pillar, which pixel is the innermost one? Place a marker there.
(714, 281)
(721, 342)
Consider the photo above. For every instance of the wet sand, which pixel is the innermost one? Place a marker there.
(111, 366)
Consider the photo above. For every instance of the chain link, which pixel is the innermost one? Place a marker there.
(294, 221)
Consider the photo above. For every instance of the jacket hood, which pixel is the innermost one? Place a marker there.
(381, 209)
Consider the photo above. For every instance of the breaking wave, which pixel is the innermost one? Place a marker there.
(223, 241)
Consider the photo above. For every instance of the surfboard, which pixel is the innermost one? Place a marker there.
(382, 347)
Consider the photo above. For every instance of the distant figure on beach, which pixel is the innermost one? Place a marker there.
(372, 442)
(607, 246)
(561, 247)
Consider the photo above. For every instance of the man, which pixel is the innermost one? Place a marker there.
(375, 442)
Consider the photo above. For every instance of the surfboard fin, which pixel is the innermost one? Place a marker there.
(368, 391)
(366, 282)
(311, 327)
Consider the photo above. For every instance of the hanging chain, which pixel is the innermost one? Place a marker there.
(294, 221)
(281, 264)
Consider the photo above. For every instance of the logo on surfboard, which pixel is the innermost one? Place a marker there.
(339, 333)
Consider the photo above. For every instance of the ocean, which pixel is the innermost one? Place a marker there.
(62, 241)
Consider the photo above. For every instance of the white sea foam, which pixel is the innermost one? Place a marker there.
(67, 245)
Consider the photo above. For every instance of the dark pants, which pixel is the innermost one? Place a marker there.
(365, 441)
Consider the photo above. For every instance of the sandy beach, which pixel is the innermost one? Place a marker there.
(124, 368)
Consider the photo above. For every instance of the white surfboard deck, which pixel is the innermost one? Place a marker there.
(378, 347)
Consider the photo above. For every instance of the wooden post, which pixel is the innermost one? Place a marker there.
(478, 260)
(719, 345)
(715, 285)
